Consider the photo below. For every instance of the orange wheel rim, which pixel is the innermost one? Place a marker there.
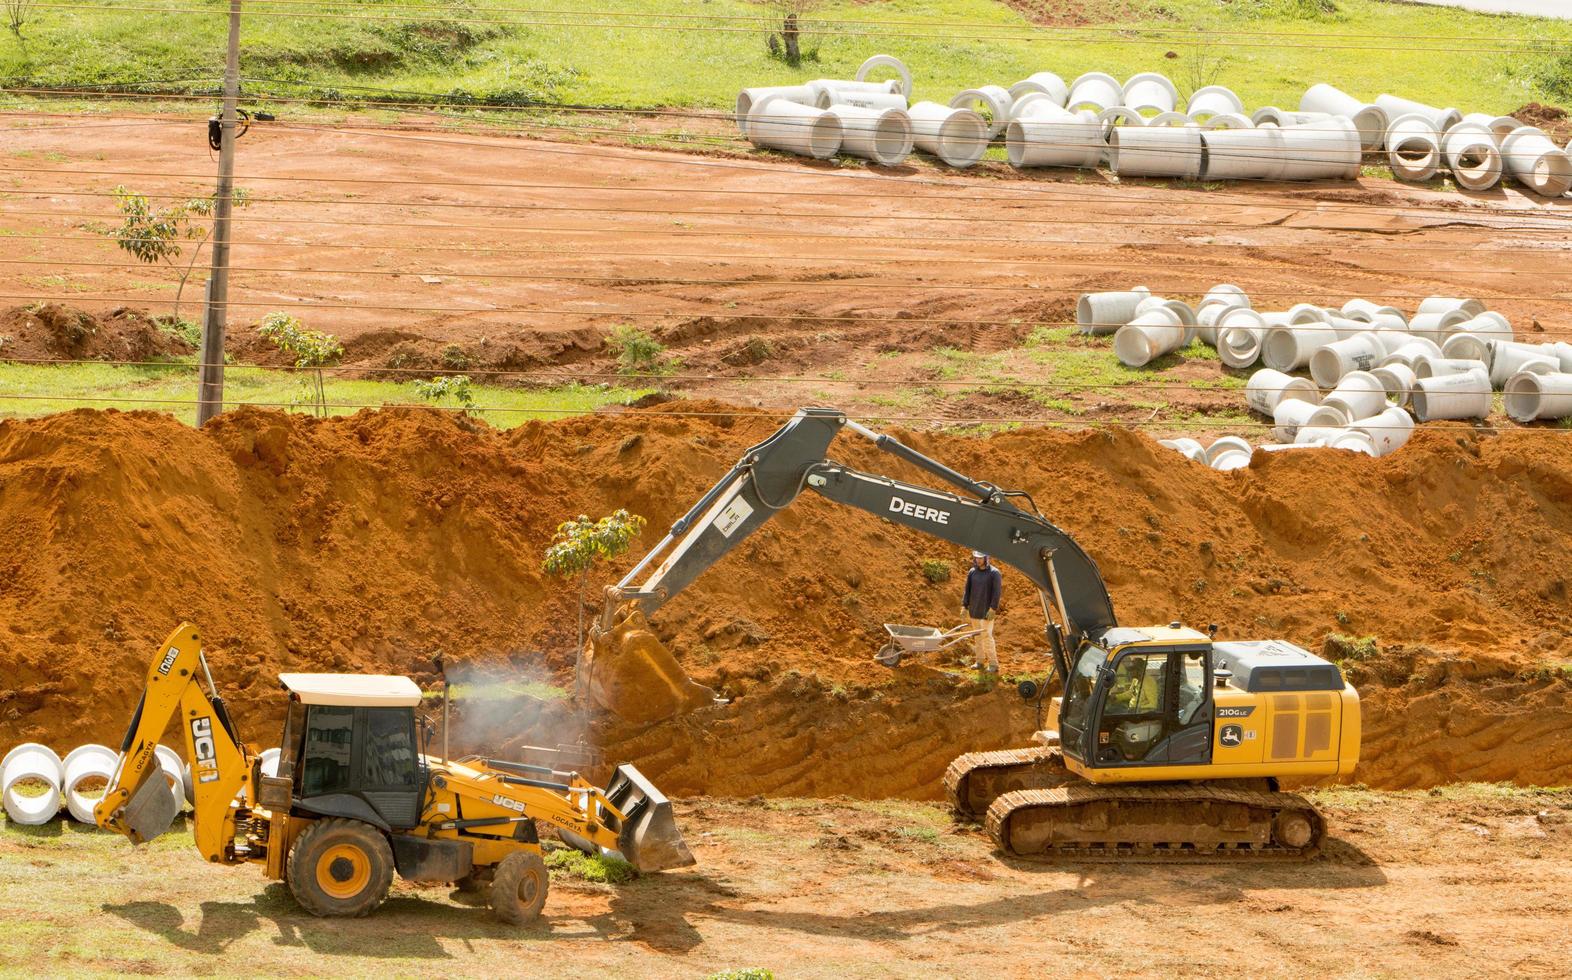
(343, 871)
(529, 887)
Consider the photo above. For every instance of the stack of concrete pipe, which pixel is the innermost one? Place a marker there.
(38, 785)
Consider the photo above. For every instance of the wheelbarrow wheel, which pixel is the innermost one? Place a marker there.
(889, 655)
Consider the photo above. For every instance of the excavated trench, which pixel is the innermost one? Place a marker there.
(376, 541)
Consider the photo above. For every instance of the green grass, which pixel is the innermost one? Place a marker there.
(478, 49)
(597, 868)
(32, 389)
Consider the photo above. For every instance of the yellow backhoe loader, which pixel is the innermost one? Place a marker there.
(355, 800)
(1165, 744)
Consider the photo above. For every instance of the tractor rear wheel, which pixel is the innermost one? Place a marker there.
(340, 868)
(518, 889)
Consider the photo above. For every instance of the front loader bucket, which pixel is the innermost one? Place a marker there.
(151, 809)
(649, 838)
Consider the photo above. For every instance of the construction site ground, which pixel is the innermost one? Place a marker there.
(1464, 882)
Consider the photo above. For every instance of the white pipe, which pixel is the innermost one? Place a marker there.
(1118, 115)
(1189, 447)
(748, 98)
(1564, 354)
(1364, 309)
(1223, 444)
(1227, 120)
(1231, 459)
(959, 137)
(1473, 156)
(1213, 100)
(1155, 152)
(1356, 441)
(1500, 126)
(1288, 348)
(1536, 163)
(1348, 328)
(1326, 150)
(1150, 93)
(1440, 120)
(887, 61)
(1370, 120)
(1045, 83)
(1389, 431)
(1413, 147)
(1445, 304)
(1273, 116)
(1413, 349)
(1468, 339)
(1360, 352)
(1284, 446)
(1170, 118)
(1150, 335)
(1358, 395)
(1037, 105)
(1220, 300)
(1226, 294)
(991, 102)
(1039, 140)
(818, 85)
(1266, 389)
(1245, 154)
(1434, 326)
(1103, 313)
(1398, 380)
(1180, 307)
(1507, 359)
(1318, 435)
(81, 764)
(1240, 333)
(1331, 416)
(1289, 415)
(1453, 396)
(830, 97)
(881, 135)
(807, 131)
(32, 763)
(1531, 396)
(1094, 90)
(1440, 367)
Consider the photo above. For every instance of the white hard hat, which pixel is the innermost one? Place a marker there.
(979, 554)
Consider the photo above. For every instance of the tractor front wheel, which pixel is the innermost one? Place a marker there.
(518, 889)
(340, 868)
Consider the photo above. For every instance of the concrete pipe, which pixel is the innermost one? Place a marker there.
(1500, 126)
(1531, 396)
(1155, 152)
(959, 137)
(1307, 313)
(1471, 153)
(1388, 431)
(1398, 380)
(1212, 308)
(1435, 327)
(1327, 150)
(1361, 352)
(1035, 105)
(87, 771)
(748, 98)
(830, 97)
(881, 135)
(1410, 352)
(1231, 459)
(1224, 444)
(1279, 447)
(1444, 304)
(1364, 309)
(1150, 93)
(1095, 90)
(1119, 115)
(1440, 367)
(1273, 116)
(780, 124)
(1354, 441)
(1170, 119)
(1266, 389)
(1103, 313)
(1214, 100)
(1536, 163)
(1189, 447)
(1468, 339)
(1452, 396)
(30, 778)
(1368, 119)
(887, 61)
(1564, 354)
(1507, 359)
(1358, 395)
(1244, 154)
(1227, 120)
(819, 85)
(1413, 147)
(1289, 416)
(1347, 328)
(1224, 294)
(1150, 335)
(1180, 307)
(1043, 141)
(1395, 106)
(1289, 348)
(1042, 83)
(1240, 334)
(1318, 435)
(991, 102)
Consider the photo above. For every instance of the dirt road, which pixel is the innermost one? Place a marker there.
(1468, 881)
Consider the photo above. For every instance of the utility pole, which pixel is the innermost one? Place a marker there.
(210, 389)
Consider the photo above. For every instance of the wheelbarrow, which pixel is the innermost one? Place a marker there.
(920, 639)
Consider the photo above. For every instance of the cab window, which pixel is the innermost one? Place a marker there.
(1138, 685)
(1078, 692)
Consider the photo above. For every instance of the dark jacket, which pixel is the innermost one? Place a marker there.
(983, 586)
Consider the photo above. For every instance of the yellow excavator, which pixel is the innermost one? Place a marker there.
(1166, 744)
(355, 799)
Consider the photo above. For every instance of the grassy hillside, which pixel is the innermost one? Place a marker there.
(508, 51)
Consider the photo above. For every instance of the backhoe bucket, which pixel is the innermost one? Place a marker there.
(151, 809)
(649, 838)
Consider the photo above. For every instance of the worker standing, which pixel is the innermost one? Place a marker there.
(980, 600)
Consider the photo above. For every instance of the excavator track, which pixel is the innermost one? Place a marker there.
(1194, 822)
(973, 781)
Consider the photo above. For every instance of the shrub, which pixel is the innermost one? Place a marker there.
(455, 386)
(310, 349)
(590, 867)
(454, 358)
(1338, 647)
(636, 351)
(936, 570)
(581, 542)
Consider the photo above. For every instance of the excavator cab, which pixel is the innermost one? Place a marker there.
(1147, 703)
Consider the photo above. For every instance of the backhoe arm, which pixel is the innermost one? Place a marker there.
(138, 802)
(771, 474)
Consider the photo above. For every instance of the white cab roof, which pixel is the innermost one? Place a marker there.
(357, 690)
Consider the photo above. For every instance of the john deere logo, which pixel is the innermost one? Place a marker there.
(1231, 735)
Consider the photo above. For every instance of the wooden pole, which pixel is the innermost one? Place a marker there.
(210, 390)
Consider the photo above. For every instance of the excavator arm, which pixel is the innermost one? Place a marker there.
(983, 517)
(138, 802)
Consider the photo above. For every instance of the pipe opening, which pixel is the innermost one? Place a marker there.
(891, 140)
(1281, 348)
(32, 799)
(1522, 397)
(963, 139)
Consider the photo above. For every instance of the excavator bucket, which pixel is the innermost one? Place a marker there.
(151, 809)
(649, 838)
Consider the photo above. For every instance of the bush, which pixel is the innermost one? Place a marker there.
(454, 358)
(636, 351)
(590, 867)
(455, 386)
(936, 570)
(1356, 649)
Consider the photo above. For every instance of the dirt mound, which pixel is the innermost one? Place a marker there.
(1554, 120)
(375, 541)
(47, 331)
